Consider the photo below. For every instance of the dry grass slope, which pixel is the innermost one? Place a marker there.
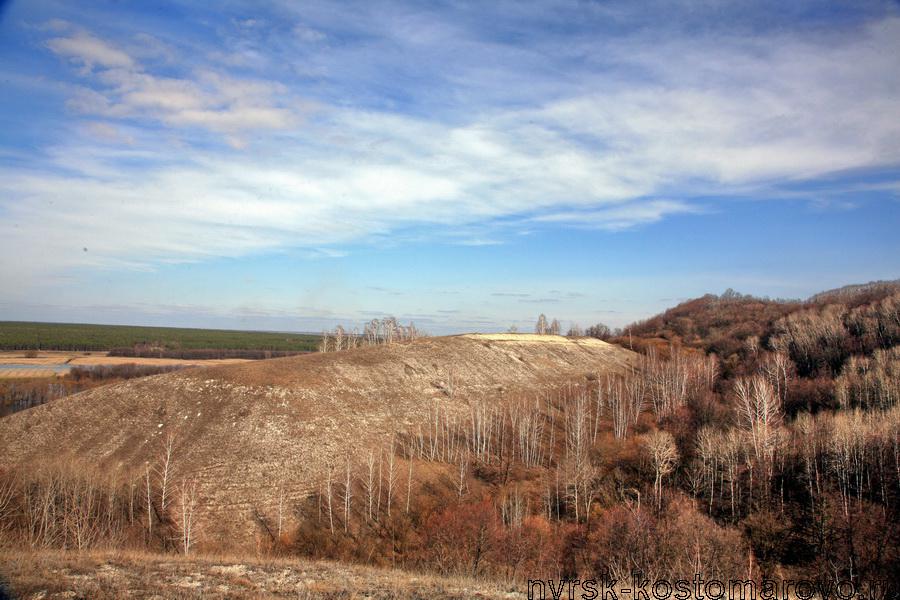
(49, 575)
(247, 431)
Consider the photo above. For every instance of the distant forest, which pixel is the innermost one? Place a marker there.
(163, 342)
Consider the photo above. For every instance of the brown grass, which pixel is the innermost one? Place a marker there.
(54, 357)
(25, 373)
(113, 575)
(38, 357)
(43, 360)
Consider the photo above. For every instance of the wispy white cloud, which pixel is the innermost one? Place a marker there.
(107, 132)
(308, 34)
(120, 87)
(624, 216)
(622, 141)
(85, 49)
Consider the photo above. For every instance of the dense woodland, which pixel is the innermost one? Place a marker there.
(149, 341)
(755, 438)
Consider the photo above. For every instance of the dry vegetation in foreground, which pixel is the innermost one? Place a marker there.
(112, 575)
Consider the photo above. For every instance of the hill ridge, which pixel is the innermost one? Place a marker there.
(248, 430)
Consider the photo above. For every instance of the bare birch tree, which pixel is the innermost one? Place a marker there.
(554, 327)
(462, 475)
(348, 492)
(186, 520)
(391, 474)
(164, 472)
(663, 454)
(329, 481)
(370, 484)
(761, 416)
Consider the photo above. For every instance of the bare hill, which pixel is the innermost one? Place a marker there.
(247, 431)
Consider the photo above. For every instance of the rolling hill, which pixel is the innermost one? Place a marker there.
(250, 433)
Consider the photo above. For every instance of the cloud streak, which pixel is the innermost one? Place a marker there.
(165, 164)
(119, 87)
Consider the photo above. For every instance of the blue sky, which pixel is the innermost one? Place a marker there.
(292, 165)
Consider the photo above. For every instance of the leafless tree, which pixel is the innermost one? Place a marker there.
(186, 520)
(370, 332)
(527, 429)
(513, 508)
(541, 327)
(870, 382)
(462, 475)
(389, 329)
(329, 482)
(666, 381)
(813, 338)
(576, 423)
(844, 447)
(348, 492)
(370, 483)
(164, 471)
(7, 494)
(760, 413)
(380, 481)
(777, 368)
(384, 331)
(481, 430)
(708, 456)
(600, 400)
(663, 455)
(732, 451)
(635, 396)
(339, 338)
(391, 474)
(599, 331)
(149, 504)
(619, 408)
(813, 434)
(40, 510)
(81, 509)
(751, 344)
(554, 327)
(708, 372)
(409, 480)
